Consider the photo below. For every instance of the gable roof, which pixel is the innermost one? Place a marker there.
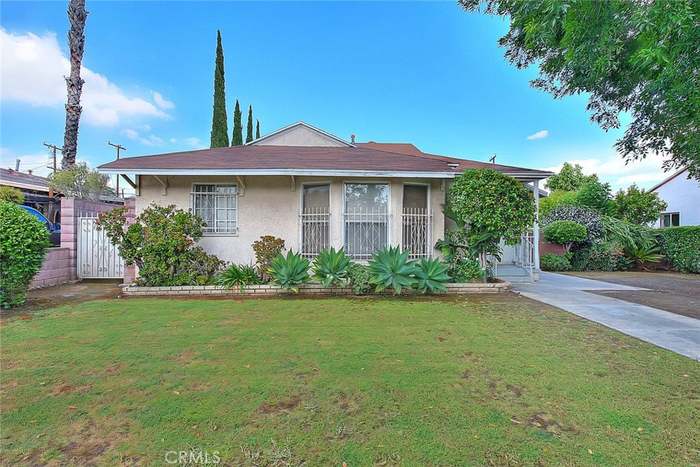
(297, 127)
(27, 181)
(659, 185)
(304, 160)
(340, 159)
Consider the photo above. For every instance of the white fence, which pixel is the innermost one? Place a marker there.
(98, 258)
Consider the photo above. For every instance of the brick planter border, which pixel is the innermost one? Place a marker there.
(307, 289)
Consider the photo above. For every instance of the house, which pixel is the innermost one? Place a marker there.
(314, 190)
(36, 191)
(682, 196)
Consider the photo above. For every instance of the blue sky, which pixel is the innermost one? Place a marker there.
(426, 73)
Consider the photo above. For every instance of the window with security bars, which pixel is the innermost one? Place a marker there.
(366, 219)
(217, 205)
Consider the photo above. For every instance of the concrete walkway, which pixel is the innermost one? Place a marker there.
(677, 333)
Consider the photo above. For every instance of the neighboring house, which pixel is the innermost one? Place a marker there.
(310, 188)
(36, 191)
(682, 196)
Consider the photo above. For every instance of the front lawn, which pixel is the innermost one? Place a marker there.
(485, 380)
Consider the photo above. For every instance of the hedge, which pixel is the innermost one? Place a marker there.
(681, 245)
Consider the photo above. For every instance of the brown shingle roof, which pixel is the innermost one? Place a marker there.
(302, 158)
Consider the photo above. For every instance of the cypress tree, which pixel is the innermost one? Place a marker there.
(237, 138)
(257, 129)
(249, 129)
(219, 128)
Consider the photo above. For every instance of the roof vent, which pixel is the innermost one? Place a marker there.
(453, 165)
(352, 139)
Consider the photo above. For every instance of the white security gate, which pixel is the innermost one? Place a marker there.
(98, 258)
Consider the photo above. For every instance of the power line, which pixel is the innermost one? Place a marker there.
(119, 148)
(53, 148)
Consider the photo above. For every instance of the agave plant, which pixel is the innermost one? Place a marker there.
(431, 275)
(390, 268)
(289, 271)
(644, 252)
(331, 267)
(238, 275)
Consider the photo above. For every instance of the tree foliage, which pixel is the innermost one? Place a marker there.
(594, 195)
(162, 243)
(237, 138)
(569, 178)
(23, 243)
(487, 201)
(556, 198)
(11, 194)
(219, 125)
(638, 206)
(257, 129)
(249, 128)
(81, 182)
(634, 57)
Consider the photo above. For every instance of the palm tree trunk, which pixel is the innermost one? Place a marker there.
(74, 83)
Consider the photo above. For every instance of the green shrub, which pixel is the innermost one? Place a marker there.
(162, 243)
(626, 234)
(391, 269)
(638, 206)
(551, 262)
(460, 257)
(431, 275)
(23, 243)
(565, 233)
(556, 198)
(331, 267)
(600, 256)
(267, 248)
(359, 277)
(584, 216)
(238, 275)
(289, 271)
(681, 245)
(466, 270)
(11, 194)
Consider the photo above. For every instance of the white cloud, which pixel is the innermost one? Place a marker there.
(611, 168)
(194, 142)
(538, 135)
(162, 102)
(33, 70)
(147, 140)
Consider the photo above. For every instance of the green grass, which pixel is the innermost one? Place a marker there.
(488, 380)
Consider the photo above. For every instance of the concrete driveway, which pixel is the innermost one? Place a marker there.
(677, 333)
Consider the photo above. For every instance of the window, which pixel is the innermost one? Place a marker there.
(366, 218)
(670, 219)
(217, 205)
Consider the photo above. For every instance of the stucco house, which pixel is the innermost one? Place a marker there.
(314, 190)
(682, 196)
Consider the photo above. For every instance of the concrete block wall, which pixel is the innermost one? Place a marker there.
(55, 270)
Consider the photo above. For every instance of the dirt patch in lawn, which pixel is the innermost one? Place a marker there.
(674, 292)
(285, 405)
(62, 388)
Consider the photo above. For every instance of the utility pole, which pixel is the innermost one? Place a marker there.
(119, 148)
(53, 148)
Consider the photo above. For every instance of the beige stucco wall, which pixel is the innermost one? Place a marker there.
(270, 206)
(299, 136)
